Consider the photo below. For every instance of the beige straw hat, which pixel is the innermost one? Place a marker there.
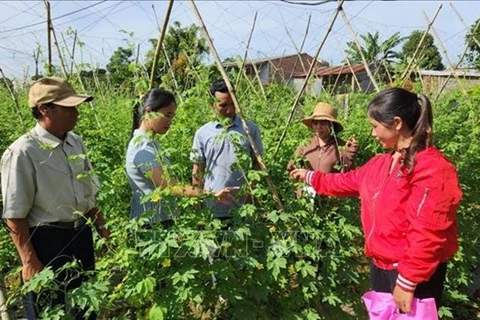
(324, 111)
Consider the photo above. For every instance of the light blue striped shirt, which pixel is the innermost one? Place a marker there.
(218, 148)
(143, 155)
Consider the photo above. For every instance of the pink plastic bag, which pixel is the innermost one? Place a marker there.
(381, 306)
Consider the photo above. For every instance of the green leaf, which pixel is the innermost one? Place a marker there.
(157, 313)
(146, 286)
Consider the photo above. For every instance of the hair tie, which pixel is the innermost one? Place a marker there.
(419, 99)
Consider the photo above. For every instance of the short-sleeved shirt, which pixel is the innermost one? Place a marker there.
(217, 148)
(46, 179)
(324, 158)
(143, 155)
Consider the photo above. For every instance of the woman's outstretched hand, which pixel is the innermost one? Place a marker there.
(298, 174)
(351, 148)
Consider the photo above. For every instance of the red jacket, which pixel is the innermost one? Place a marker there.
(409, 220)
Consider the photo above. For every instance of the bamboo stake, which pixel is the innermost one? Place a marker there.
(237, 106)
(169, 63)
(360, 51)
(49, 38)
(76, 67)
(407, 71)
(462, 56)
(84, 88)
(73, 49)
(260, 84)
(36, 56)
(251, 85)
(444, 50)
(62, 64)
(96, 80)
(14, 98)
(421, 79)
(301, 47)
(279, 71)
(247, 48)
(354, 75)
(299, 58)
(386, 66)
(466, 26)
(52, 30)
(161, 36)
(335, 83)
(191, 62)
(307, 77)
(172, 74)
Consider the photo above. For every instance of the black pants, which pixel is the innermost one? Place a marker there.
(54, 247)
(384, 281)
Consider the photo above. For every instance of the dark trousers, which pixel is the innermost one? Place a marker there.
(56, 246)
(384, 281)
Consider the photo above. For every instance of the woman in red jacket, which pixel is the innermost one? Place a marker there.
(409, 199)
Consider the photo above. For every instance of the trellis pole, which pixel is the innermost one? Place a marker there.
(360, 51)
(299, 50)
(161, 36)
(231, 90)
(477, 42)
(247, 48)
(14, 98)
(462, 56)
(407, 72)
(307, 77)
(167, 59)
(354, 75)
(444, 50)
(242, 66)
(79, 77)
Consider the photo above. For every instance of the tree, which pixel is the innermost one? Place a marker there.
(184, 50)
(374, 50)
(119, 66)
(428, 57)
(472, 40)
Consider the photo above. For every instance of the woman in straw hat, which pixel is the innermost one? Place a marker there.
(325, 151)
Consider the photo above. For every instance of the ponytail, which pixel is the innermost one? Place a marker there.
(136, 116)
(422, 133)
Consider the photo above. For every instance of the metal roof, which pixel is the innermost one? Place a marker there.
(335, 70)
(270, 59)
(445, 73)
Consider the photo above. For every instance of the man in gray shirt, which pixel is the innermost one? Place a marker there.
(219, 149)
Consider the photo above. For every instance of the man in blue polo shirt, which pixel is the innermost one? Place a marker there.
(218, 151)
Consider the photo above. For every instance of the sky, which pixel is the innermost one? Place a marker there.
(280, 27)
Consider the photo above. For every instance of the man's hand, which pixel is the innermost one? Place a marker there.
(20, 234)
(104, 232)
(31, 268)
(299, 174)
(403, 299)
(99, 222)
(225, 195)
